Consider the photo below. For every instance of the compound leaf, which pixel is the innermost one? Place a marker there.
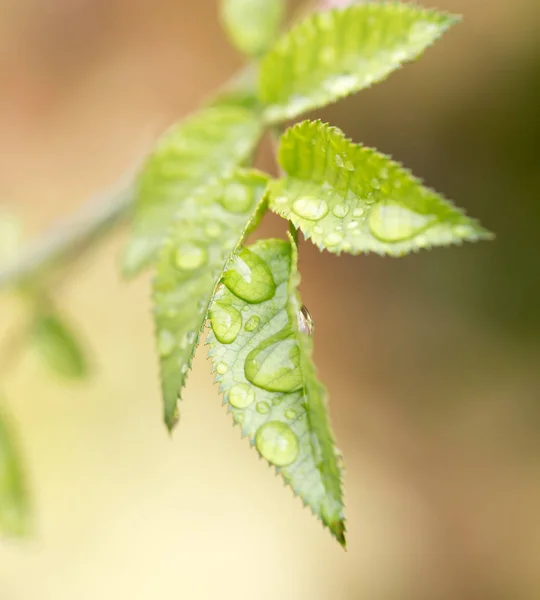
(252, 24)
(198, 246)
(192, 154)
(262, 358)
(14, 505)
(334, 53)
(349, 198)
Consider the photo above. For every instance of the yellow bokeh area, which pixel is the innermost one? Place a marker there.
(431, 361)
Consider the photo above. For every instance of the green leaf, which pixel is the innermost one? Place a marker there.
(263, 365)
(209, 228)
(14, 504)
(58, 346)
(252, 24)
(338, 52)
(349, 198)
(192, 154)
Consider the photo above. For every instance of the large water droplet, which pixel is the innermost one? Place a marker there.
(277, 443)
(263, 408)
(241, 395)
(340, 210)
(274, 365)
(226, 322)
(250, 278)
(166, 342)
(252, 323)
(190, 256)
(305, 321)
(394, 223)
(310, 207)
(236, 198)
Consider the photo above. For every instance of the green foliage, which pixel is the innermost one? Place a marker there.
(252, 24)
(209, 145)
(196, 204)
(199, 243)
(58, 346)
(14, 505)
(349, 198)
(335, 53)
(263, 365)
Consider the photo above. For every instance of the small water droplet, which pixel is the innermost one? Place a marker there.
(318, 230)
(281, 200)
(166, 342)
(274, 365)
(212, 229)
(383, 173)
(333, 239)
(394, 223)
(221, 368)
(263, 408)
(236, 198)
(310, 207)
(349, 166)
(190, 257)
(238, 417)
(340, 210)
(250, 278)
(358, 212)
(338, 159)
(375, 183)
(241, 395)
(352, 225)
(290, 413)
(252, 323)
(277, 400)
(341, 84)
(184, 369)
(306, 324)
(277, 443)
(226, 322)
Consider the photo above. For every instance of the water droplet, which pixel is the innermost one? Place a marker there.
(184, 369)
(394, 223)
(338, 159)
(310, 207)
(305, 321)
(238, 417)
(277, 400)
(241, 395)
(274, 365)
(263, 408)
(318, 229)
(190, 257)
(383, 173)
(253, 323)
(226, 322)
(281, 200)
(352, 225)
(212, 229)
(333, 239)
(277, 443)
(341, 84)
(375, 184)
(340, 210)
(221, 368)
(290, 413)
(166, 342)
(358, 212)
(349, 166)
(250, 278)
(236, 198)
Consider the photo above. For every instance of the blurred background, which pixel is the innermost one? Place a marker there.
(431, 361)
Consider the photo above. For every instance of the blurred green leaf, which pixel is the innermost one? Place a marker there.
(197, 248)
(59, 346)
(262, 362)
(192, 154)
(334, 53)
(349, 198)
(252, 24)
(14, 504)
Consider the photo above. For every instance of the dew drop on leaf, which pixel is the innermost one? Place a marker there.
(252, 323)
(250, 278)
(333, 239)
(226, 322)
(241, 395)
(340, 210)
(274, 365)
(277, 443)
(212, 230)
(262, 408)
(221, 368)
(394, 223)
(190, 257)
(290, 413)
(358, 212)
(166, 342)
(310, 207)
(236, 198)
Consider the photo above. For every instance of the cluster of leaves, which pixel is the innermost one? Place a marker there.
(198, 198)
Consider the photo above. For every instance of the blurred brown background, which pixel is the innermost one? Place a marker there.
(431, 361)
